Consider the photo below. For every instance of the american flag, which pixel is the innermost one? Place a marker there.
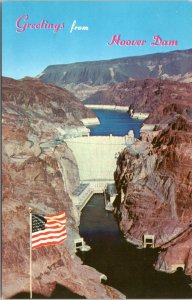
(48, 230)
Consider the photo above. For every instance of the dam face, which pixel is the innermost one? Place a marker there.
(96, 156)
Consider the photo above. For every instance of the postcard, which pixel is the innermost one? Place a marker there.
(96, 149)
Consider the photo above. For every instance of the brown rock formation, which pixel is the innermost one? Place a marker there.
(162, 99)
(45, 100)
(39, 171)
(154, 183)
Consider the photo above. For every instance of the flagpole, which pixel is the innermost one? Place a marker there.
(30, 256)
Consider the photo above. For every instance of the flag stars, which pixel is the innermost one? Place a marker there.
(38, 223)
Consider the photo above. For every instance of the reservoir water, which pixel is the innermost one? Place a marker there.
(128, 269)
(115, 122)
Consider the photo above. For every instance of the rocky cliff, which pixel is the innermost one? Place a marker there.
(173, 65)
(39, 171)
(160, 98)
(154, 194)
(45, 100)
(85, 78)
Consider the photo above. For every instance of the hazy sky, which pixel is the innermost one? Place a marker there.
(28, 53)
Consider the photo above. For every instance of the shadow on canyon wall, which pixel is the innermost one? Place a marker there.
(60, 292)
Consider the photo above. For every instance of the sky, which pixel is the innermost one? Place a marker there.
(29, 52)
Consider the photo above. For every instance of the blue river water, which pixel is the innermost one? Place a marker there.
(116, 123)
(128, 269)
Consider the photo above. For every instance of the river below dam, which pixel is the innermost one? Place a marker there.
(128, 269)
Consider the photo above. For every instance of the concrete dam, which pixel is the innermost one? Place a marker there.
(96, 158)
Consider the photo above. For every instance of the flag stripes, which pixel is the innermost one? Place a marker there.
(44, 236)
(48, 230)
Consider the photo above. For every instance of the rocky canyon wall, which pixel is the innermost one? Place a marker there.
(155, 189)
(40, 171)
(161, 99)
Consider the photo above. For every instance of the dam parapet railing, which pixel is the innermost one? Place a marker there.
(105, 139)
